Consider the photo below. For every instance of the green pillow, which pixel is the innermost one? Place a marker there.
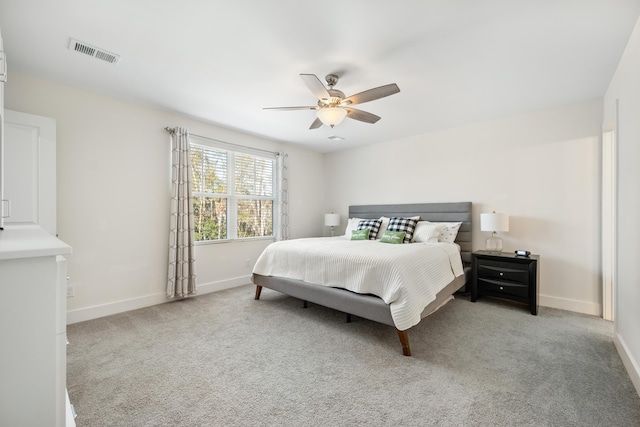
(392, 237)
(360, 234)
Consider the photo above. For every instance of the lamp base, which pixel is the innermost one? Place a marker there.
(493, 243)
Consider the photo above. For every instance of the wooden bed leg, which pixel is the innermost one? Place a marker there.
(258, 290)
(304, 305)
(348, 317)
(404, 340)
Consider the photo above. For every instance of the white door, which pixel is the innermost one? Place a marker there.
(3, 78)
(30, 170)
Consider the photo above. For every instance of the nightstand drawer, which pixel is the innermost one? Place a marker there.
(504, 271)
(504, 288)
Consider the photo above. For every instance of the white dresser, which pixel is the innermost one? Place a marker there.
(32, 328)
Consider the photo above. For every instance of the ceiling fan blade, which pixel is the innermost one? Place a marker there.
(311, 107)
(316, 124)
(315, 85)
(363, 116)
(372, 94)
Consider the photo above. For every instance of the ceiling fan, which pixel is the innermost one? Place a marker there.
(333, 106)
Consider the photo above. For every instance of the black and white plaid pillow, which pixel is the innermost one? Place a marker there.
(371, 224)
(408, 225)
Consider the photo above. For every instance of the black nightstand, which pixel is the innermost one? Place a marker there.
(506, 275)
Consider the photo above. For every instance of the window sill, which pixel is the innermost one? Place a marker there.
(218, 242)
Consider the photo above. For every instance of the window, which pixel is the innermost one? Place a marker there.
(233, 193)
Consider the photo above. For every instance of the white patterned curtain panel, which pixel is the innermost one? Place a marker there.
(282, 232)
(182, 271)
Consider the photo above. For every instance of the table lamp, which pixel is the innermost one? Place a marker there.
(331, 220)
(494, 222)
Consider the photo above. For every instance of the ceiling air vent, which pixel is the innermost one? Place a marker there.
(96, 52)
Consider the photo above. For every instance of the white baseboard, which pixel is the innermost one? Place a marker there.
(628, 361)
(102, 310)
(583, 307)
(224, 284)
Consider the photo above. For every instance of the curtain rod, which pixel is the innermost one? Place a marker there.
(277, 153)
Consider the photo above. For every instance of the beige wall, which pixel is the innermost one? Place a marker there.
(625, 91)
(113, 196)
(542, 168)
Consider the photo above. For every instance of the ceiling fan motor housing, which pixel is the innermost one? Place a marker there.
(336, 99)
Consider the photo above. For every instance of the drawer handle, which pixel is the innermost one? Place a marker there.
(501, 288)
(502, 274)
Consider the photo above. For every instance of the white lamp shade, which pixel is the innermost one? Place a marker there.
(494, 222)
(331, 116)
(332, 219)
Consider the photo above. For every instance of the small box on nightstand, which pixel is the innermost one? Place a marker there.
(506, 275)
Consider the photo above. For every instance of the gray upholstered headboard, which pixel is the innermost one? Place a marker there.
(434, 212)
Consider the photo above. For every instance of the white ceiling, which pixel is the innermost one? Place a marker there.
(455, 61)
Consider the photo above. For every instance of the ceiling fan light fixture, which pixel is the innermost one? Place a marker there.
(331, 116)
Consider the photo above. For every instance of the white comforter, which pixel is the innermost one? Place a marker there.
(406, 276)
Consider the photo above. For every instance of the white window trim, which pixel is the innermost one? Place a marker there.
(232, 197)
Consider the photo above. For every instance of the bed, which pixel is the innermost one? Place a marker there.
(370, 306)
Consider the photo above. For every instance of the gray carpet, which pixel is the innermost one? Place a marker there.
(224, 359)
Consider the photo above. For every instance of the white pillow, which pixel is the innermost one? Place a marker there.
(352, 224)
(383, 226)
(427, 232)
(449, 231)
